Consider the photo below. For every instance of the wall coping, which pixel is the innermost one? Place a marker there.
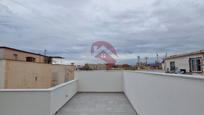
(199, 77)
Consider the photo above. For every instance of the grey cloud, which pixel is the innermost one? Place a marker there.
(68, 28)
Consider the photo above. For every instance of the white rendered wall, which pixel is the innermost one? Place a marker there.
(164, 94)
(60, 61)
(61, 95)
(149, 93)
(36, 101)
(100, 81)
(24, 103)
(2, 74)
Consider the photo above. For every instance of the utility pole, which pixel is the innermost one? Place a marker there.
(45, 59)
(157, 61)
(45, 52)
(138, 60)
(165, 65)
(146, 60)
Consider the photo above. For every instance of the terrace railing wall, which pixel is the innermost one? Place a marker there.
(164, 94)
(149, 93)
(100, 81)
(36, 101)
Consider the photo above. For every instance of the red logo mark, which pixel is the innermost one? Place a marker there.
(105, 47)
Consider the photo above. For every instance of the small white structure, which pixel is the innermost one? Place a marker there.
(188, 63)
(60, 60)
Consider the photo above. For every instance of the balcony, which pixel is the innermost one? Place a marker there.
(110, 93)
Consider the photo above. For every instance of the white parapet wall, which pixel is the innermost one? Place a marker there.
(24, 102)
(165, 94)
(149, 93)
(36, 101)
(100, 81)
(61, 94)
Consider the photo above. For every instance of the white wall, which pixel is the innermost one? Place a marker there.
(36, 101)
(2, 74)
(61, 95)
(60, 61)
(24, 103)
(100, 81)
(149, 93)
(164, 94)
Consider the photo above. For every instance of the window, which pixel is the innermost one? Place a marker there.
(30, 59)
(195, 64)
(172, 66)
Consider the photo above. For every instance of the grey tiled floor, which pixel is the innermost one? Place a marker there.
(97, 104)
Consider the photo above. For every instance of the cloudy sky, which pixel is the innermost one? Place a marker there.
(134, 27)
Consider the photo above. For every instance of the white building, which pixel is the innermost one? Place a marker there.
(60, 60)
(188, 63)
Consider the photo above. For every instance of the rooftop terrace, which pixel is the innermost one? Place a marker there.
(97, 104)
(110, 93)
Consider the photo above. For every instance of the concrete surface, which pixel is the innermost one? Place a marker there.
(97, 104)
(93, 81)
(164, 94)
(36, 101)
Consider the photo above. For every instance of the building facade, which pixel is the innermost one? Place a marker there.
(26, 75)
(7, 53)
(186, 63)
(23, 70)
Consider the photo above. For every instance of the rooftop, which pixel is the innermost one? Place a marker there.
(98, 104)
(14, 49)
(186, 54)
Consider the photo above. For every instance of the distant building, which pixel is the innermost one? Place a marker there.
(7, 53)
(21, 69)
(60, 60)
(186, 63)
(123, 67)
(95, 67)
